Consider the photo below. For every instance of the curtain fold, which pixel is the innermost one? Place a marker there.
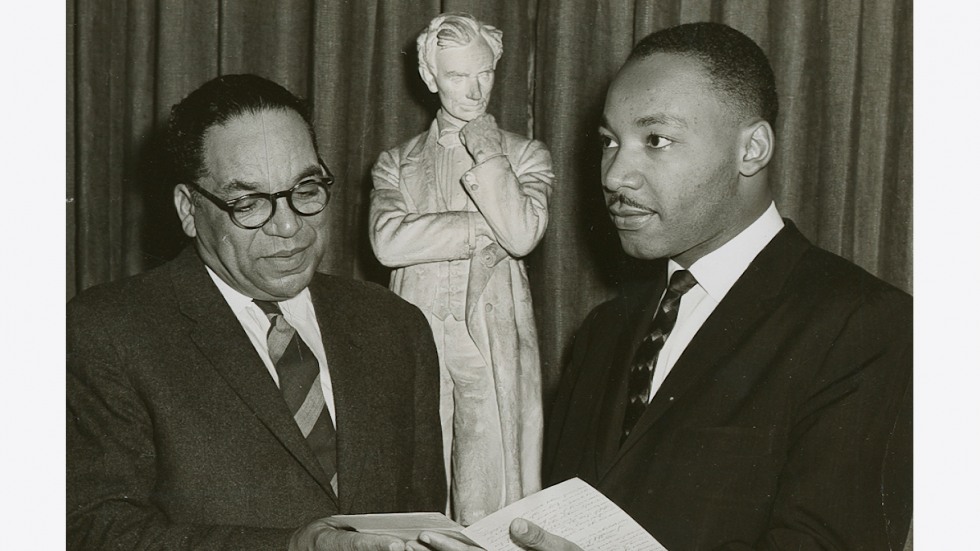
(842, 169)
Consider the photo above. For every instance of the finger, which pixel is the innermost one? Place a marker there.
(355, 541)
(442, 542)
(532, 536)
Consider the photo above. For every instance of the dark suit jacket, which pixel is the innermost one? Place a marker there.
(178, 437)
(785, 424)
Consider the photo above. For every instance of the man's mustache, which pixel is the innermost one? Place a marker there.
(627, 201)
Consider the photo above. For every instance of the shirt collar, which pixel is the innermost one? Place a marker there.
(449, 129)
(447, 123)
(240, 303)
(718, 270)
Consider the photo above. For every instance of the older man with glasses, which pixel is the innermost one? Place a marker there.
(235, 397)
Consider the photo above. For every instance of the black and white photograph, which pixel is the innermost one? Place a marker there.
(461, 275)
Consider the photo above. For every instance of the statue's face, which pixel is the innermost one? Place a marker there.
(463, 79)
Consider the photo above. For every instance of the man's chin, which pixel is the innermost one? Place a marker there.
(644, 249)
(288, 284)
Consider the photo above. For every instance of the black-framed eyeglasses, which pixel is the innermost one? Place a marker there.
(254, 210)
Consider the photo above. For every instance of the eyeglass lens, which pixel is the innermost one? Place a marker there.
(306, 198)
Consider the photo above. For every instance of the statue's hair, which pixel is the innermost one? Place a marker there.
(452, 30)
(736, 66)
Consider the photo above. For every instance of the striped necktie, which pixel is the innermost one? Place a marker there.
(299, 381)
(645, 357)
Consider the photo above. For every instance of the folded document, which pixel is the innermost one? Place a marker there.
(573, 510)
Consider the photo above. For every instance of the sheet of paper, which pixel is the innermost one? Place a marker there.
(573, 510)
(400, 525)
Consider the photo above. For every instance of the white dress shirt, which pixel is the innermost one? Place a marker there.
(298, 311)
(715, 272)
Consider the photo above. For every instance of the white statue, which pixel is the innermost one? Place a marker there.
(453, 210)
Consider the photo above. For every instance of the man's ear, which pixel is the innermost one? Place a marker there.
(758, 144)
(428, 78)
(185, 209)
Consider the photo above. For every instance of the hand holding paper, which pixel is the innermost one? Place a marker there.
(584, 518)
(323, 534)
(524, 532)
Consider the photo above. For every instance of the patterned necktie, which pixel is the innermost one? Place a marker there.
(299, 381)
(645, 357)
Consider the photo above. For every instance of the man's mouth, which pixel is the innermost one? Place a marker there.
(288, 259)
(629, 219)
(287, 253)
(627, 214)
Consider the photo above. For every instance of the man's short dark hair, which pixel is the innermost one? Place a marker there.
(215, 103)
(736, 65)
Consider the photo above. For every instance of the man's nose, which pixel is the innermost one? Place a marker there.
(619, 170)
(285, 222)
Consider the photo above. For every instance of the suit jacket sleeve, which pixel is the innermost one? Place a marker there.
(562, 406)
(428, 472)
(112, 457)
(846, 480)
(402, 236)
(512, 193)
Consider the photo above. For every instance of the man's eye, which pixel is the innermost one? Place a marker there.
(306, 190)
(247, 205)
(607, 141)
(658, 142)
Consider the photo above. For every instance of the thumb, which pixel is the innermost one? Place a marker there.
(534, 537)
(346, 540)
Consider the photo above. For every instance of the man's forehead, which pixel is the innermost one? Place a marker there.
(658, 89)
(258, 127)
(259, 146)
(664, 70)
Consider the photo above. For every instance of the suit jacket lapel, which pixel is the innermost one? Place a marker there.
(350, 388)
(418, 172)
(220, 338)
(640, 304)
(735, 317)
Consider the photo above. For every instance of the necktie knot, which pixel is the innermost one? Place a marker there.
(270, 308)
(682, 281)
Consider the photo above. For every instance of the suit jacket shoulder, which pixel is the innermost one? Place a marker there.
(124, 298)
(841, 280)
(374, 305)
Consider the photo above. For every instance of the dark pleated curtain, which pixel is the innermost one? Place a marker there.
(842, 170)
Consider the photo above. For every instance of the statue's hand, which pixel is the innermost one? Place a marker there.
(482, 138)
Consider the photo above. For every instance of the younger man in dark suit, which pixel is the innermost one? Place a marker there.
(234, 397)
(757, 395)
